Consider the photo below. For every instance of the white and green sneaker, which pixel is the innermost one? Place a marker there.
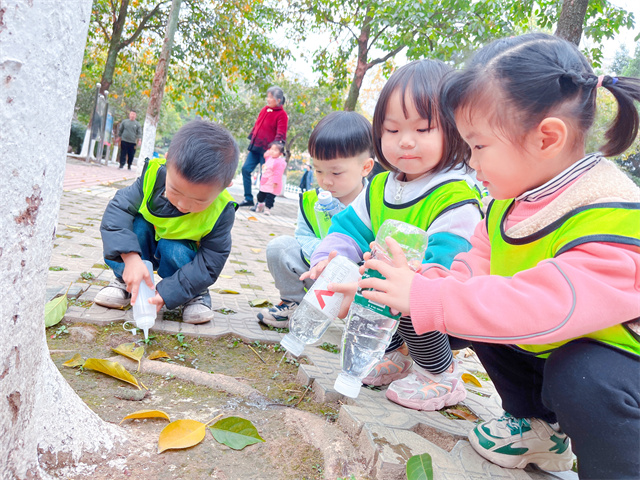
(515, 442)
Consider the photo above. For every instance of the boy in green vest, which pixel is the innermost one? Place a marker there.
(178, 215)
(342, 149)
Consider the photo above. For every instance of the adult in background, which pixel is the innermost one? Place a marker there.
(130, 134)
(307, 178)
(270, 126)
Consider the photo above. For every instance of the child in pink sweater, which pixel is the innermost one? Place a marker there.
(271, 180)
(549, 294)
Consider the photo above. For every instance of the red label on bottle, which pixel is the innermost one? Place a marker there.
(320, 294)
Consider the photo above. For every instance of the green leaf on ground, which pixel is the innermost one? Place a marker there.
(54, 310)
(419, 467)
(235, 432)
(260, 302)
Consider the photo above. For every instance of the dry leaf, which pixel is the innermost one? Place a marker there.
(260, 302)
(462, 414)
(225, 276)
(223, 291)
(113, 369)
(158, 354)
(181, 434)
(75, 361)
(147, 414)
(256, 250)
(468, 378)
(252, 218)
(129, 350)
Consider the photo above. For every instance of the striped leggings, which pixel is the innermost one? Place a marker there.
(431, 351)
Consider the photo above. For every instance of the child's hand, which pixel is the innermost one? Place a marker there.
(349, 291)
(157, 301)
(134, 272)
(394, 291)
(315, 272)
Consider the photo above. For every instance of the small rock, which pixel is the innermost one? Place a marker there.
(83, 334)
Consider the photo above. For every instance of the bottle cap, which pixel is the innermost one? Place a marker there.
(293, 344)
(325, 198)
(348, 385)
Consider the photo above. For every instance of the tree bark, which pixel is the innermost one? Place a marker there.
(361, 67)
(571, 20)
(114, 47)
(157, 89)
(42, 421)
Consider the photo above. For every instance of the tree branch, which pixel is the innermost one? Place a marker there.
(104, 30)
(386, 57)
(376, 38)
(141, 27)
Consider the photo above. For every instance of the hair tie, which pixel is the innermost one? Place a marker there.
(600, 79)
(614, 80)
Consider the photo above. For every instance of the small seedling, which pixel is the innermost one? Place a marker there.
(181, 357)
(181, 343)
(275, 375)
(329, 347)
(61, 330)
(234, 342)
(57, 269)
(87, 275)
(148, 340)
(292, 361)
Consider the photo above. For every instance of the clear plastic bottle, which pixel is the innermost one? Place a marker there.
(319, 306)
(144, 313)
(326, 207)
(370, 325)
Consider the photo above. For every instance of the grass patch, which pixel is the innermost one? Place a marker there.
(57, 269)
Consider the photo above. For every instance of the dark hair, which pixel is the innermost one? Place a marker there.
(278, 144)
(204, 152)
(524, 79)
(278, 94)
(341, 135)
(421, 80)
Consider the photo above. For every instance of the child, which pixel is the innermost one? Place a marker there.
(177, 215)
(550, 286)
(428, 187)
(341, 146)
(271, 181)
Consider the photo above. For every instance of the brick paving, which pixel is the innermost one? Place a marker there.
(387, 433)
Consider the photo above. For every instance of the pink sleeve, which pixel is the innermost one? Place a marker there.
(587, 288)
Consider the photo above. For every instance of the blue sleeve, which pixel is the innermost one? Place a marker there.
(304, 235)
(443, 247)
(348, 223)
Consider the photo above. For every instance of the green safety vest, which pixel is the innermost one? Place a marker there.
(421, 211)
(613, 222)
(307, 201)
(187, 226)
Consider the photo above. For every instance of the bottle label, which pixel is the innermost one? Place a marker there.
(336, 272)
(369, 304)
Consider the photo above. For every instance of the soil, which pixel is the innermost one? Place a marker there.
(287, 452)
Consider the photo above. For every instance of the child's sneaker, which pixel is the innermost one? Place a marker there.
(258, 207)
(515, 442)
(197, 311)
(114, 295)
(267, 211)
(393, 366)
(421, 390)
(278, 316)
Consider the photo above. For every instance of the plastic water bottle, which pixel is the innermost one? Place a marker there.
(319, 306)
(370, 326)
(326, 207)
(144, 313)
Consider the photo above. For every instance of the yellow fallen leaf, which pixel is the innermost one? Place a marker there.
(256, 250)
(226, 276)
(468, 378)
(252, 218)
(158, 354)
(147, 414)
(224, 291)
(129, 350)
(75, 361)
(113, 369)
(181, 434)
(260, 302)
(462, 414)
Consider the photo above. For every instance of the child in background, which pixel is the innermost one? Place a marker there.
(551, 285)
(178, 216)
(428, 187)
(271, 181)
(341, 146)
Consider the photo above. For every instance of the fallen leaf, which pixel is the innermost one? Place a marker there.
(462, 414)
(146, 414)
(223, 291)
(252, 218)
(260, 302)
(54, 310)
(225, 311)
(113, 369)
(225, 276)
(419, 467)
(158, 354)
(75, 361)
(181, 434)
(272, 234)
(468, 378)
(256, 250)
(235, 432)
(129, 350)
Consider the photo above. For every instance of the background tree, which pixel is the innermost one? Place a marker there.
(571, 20)
(42, 420)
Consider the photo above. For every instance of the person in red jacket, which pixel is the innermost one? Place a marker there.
(270, 126)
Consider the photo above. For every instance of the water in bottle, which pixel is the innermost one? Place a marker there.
(144, 313)
(325, 208)
(319, 306)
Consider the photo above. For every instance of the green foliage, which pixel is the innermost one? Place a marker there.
(419, 467)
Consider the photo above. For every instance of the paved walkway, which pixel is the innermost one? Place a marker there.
(387, 433)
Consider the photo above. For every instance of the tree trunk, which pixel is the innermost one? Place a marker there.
(571, 20)
(157, 89)
(361, 67)
(114, 47)
(43, 423)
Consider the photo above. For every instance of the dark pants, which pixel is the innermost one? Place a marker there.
(268, 199)
(251, 162)
(592, 390)
(127, 152)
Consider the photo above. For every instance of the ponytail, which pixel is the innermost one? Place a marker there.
(624, 129)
